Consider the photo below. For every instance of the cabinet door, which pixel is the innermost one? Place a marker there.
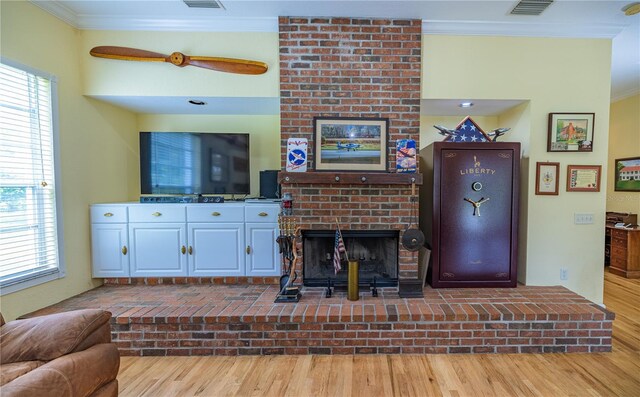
(216, 249)
(262, 251)
(109, 250)
(157, 249)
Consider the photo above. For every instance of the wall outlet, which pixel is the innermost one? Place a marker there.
(583, 219)
(564, 273)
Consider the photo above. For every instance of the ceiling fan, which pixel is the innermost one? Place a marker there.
(229, 65)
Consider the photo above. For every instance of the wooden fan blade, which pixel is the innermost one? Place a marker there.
(127, 54)
(229, 65)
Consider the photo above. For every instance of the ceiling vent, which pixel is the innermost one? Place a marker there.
(204, 4)
(531, 7)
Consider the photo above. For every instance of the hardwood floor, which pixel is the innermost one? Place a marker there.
(599, 374)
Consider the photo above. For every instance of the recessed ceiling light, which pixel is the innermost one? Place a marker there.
(197, 102)
(466, 104)
(631, 9)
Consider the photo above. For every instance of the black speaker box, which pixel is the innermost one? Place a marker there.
(269, 187)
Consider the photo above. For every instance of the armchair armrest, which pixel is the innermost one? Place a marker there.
(48, 337)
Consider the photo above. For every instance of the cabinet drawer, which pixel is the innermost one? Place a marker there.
(619, 263)
(262, 213)
(108, 214)
(621, 234)
(619, 252)
(157, 213)
(620, 243)
(215, 213)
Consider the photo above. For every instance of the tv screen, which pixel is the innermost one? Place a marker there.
(194, 163)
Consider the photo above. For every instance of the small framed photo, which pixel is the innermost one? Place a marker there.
(583, 178)
(350, 144)
(627, 177)
(547, 178)
(570, 132)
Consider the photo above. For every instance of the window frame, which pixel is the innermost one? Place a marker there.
(27, 280)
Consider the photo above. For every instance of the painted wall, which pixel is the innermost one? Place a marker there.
(264, 135)
(624, 142)
(114, 77)
(97, 146)
(554, 75)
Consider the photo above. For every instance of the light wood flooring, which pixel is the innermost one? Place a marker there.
(602, 374)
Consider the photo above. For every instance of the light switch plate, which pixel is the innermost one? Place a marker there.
(583, 219)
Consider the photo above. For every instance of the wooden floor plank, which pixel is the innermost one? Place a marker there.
(601, 374)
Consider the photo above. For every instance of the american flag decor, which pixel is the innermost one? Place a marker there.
(469, 131)
(338, 248)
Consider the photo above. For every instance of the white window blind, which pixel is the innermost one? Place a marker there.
(28, 223)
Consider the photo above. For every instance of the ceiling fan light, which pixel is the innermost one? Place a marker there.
(465, 104)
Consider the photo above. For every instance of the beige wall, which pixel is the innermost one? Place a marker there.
(547, 74)
(97, 146)
(114, 77)
(264, 134)
(624, 142)
(99, 143)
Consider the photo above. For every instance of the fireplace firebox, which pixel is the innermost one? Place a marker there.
(375, 250)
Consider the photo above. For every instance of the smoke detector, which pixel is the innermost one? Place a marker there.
(531, 7)
(204, 4)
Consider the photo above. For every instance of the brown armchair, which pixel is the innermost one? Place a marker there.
(64, 354)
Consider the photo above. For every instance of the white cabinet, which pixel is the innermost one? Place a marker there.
(262, 253)
(178, 240)
(109, 241)
(158, 240)
(216, 240)
(158, 249)
(261, 231)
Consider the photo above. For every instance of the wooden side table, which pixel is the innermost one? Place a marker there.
(625, 252)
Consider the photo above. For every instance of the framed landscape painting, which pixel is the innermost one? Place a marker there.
(627, 174)
(570, 132)
(350, 144)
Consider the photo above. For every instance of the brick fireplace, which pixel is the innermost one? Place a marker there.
(348, 67)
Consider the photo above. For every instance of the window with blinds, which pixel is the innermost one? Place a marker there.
(29, 251)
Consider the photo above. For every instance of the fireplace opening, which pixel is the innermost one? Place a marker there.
(375, 250)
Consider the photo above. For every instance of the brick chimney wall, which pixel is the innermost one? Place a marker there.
(348, 67)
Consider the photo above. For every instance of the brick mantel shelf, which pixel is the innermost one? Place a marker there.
(355, 178)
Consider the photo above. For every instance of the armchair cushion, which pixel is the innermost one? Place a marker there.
(48, 337)
(77, 374)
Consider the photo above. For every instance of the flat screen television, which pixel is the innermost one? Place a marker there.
(194, 163)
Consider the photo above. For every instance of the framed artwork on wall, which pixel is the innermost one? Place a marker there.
(627, 174)
(570, 132)
(350, 144)
(583, 178)
(547, 178)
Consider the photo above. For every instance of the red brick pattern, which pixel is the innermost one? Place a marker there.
(242, 319)
(380, 207)
(189, 280)
(347, 67)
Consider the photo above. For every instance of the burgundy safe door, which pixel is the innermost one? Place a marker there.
(475, 214)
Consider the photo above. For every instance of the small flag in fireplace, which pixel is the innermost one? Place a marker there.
(338, 248)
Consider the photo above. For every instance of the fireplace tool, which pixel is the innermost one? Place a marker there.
(287, 243)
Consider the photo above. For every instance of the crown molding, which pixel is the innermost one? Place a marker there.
(58, 10)
(619, 96)
(183, 24)
(493, 28)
